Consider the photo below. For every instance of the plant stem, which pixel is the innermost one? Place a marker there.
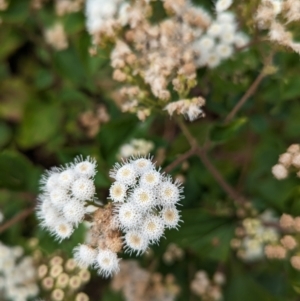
(201, 153)
(245, 97)
(22, 215)
(180, 159)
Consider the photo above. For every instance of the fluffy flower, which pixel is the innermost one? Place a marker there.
(85, 167)
(153, 228)
(117, 192)
(170, 217)
(135, 241)
(107, 263)
(74, 211)
(85, 255)
(222, 5)
(83, 189)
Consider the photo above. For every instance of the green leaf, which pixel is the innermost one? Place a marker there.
(206, 234)
(17, 173)
(5, 134)
(220, 133)
(41, 122)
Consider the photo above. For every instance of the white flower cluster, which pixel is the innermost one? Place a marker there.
(255, 235)
(146, 202)
(100, 13)
(221, 37)
(143, 205)
(136, 147)
(17, 274)
(65, 190)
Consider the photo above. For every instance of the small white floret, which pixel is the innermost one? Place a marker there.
(169, 193)
(50, 218)
(59, 197)
(213, 60)
(224, 51)
(117, 192)
(83, 189)
(150, 179)
(74, 211)
(222, 5)
(135, 241)
(62, 230)
(205, 44)
(144, 198)
(241, 40)
(170, 217)
(279, 172)
(86, 167)
(142, 165)
(226, 17)
(153, 228)
(85, 255)
(107, 263)
(66, 178)
(50, 180)
(126, 174)
(214, 29)
(129, 216)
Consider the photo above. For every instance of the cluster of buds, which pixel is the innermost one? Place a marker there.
(56, 37)
(136, 147)
(173, 253)
(208, 289)
(64, 7)
(150, 58)
(190, 108)
(92, 121)
(143, 205)
(288, 247)
(139, 284)
(60, 279)
(269, 16)
(253, 235)
(17, 274)
(288, 161)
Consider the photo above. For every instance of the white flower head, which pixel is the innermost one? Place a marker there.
(150, 179)
(213, 60)
(215, 29)
(135, 241)
(144, 198)
(205, 44)
(117, 192)
(49, 218)
(85, 255)
(142, 165)
(66, 178)
(85, 167)
(125, 174)
(107, 263)
(129, 216)
(224, 51)
(170, 217)
(222, 5)
(83, 189)
(169, 193)
(153, 228)
(59, 197)
(241, 40)
(226, 17)
(74, 211)
(50, 180)
(62, 230)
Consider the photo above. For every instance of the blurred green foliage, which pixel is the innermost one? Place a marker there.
(43, 92)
